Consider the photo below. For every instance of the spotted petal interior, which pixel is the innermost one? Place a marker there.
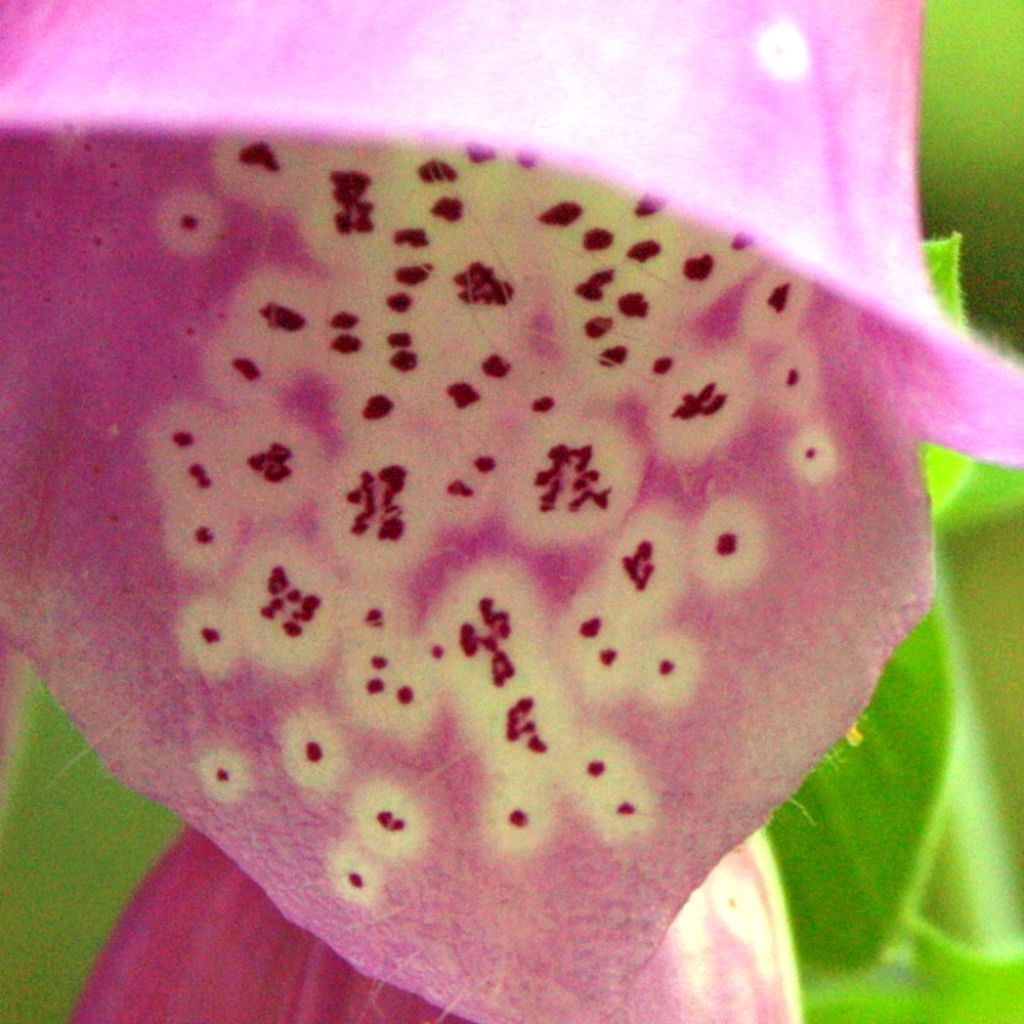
(475, 552)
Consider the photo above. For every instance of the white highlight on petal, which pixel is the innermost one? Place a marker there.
(783, 52)
(189, 222)
(209, 638)
(225, 774)
(312, 750)
(389, 821)
(354, 874)
(812, 455)
(732, 544)
(742, 910)
(287, 607)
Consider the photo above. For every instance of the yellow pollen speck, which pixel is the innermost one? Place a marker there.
(854, 736)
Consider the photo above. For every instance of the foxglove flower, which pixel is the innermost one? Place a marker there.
(202, 942)
(474, 538)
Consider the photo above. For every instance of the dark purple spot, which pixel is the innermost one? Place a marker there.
(666, 668)
(415, 237)
(644, 251)
(485, 463)
(377, 407)
(495, 366)
(223, 775)
(204, 535)
(463, 394)
(479, 285)
(634, 304)
(259, 154)
(726, 544)
(608, 656)
(639, 566)
(437, 652)
(374, 618)
(593, 288)
(375, 686)
(378, 661)
(355, 880)
(448, 208)
(247, 368)
(282, 318)
(779, 297)
(791, 378)
(698, 268)
(598, 326)
(314, 752)
(350, 188)
(662, 365)
(742, 241)
(615, 356)
(596, 239)
(706, 402)
(626, 808)
(379, 511)
(346, 344)
(571, 476)
(518, 818)
(545, 404)
(400, 302)
(211, 636)
(480, 154)
(596, 768)
(189, 222)
(437, 170)
(201, 477)
(413, 275)
(590, 628)
(404, 360)
(272, 464)
(561, 214)
(648, 205)
(344, 321)
(183, 439)
(460, 489)
(405, 695)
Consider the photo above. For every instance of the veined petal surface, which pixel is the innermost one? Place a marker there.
(201, 941)
(475, 552)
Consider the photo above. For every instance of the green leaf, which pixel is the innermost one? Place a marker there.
(942, 256)
(973, 986)
(74, 845)
(985, 494)
(853, 841)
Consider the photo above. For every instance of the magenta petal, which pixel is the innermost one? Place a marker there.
(957, 393)
(476, 661)
(201, 942)
(795, 122)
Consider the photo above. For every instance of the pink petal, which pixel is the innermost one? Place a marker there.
(795, 122)
(201, 942)
(483, 744)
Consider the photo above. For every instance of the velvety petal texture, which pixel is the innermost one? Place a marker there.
(201, 942)
(474, 551)
(794, 121)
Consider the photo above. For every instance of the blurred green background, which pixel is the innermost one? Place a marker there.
(78, 843)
